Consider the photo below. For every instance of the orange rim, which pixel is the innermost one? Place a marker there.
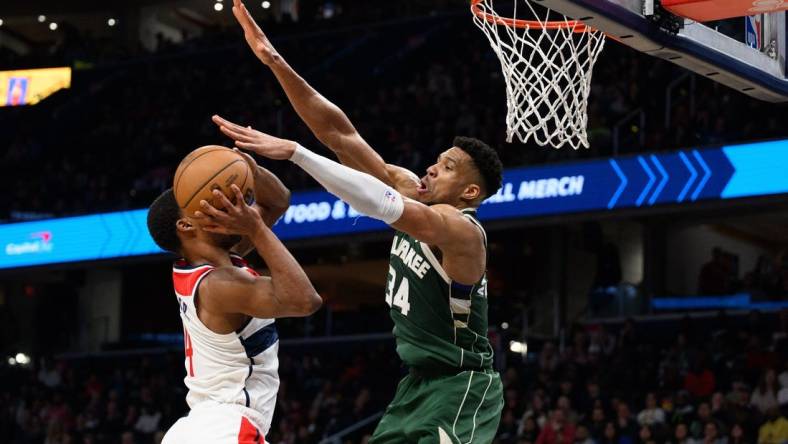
(577, 26)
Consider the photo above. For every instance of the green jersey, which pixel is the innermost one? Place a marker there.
(438, 324)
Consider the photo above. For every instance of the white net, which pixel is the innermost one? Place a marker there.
(547, 67)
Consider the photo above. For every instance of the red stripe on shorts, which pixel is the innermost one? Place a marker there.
(249, 433)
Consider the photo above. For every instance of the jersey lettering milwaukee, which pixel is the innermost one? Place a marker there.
(438, 323)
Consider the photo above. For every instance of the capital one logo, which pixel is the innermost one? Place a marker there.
(767, 5)
(38, 242)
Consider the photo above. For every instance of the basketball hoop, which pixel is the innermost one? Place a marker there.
(547, 66)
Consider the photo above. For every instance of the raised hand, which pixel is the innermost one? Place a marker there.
(254, 36)
(258, 142)
(237, 218)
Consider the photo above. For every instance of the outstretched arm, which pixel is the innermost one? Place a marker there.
(326, 120)
(442, 226)
(397, 177)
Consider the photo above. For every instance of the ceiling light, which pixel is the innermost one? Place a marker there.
(111, 22)
(218, 6)
(53, 26)
(266, 4)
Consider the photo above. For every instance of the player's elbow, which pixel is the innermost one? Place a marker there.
(309, 304)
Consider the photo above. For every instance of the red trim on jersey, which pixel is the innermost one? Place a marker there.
(238, 261)
(249, 433)
(185, 280)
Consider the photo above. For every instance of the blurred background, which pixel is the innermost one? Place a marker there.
(642, 300)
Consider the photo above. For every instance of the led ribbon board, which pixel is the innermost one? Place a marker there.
(30, 86)
(683, 177)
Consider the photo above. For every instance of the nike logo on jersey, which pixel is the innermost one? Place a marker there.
(405, 251)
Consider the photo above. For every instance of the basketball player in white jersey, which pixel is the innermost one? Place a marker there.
(228, 310)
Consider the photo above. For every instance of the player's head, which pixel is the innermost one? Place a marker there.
(175, 232)
(464, 175)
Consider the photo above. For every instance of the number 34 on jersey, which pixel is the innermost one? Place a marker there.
(401, 296)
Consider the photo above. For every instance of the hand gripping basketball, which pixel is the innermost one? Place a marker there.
(239, 218)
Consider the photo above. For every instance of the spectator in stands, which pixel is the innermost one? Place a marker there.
(627, 427)
(597, 423)
(764, 397)
(528, 430)
(645, 435)
(582, 435)
(737, 435)
(681, 435)
(558, 430)
(763, 281)
(700, 381)
(775, 429)
(548, 358)
(703, 417)
(610, 435)
(537, 410)
(652, 414)
(715, 275)
(711, 434)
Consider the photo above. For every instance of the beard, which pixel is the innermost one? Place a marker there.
(226, 241)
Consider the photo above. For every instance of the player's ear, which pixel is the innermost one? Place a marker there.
(471, 192)
(184, 225)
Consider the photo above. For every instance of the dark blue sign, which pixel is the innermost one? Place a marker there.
(641, 181)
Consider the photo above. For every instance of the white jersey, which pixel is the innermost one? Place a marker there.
(239, 368)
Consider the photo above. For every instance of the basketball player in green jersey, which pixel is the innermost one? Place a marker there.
(436, 283)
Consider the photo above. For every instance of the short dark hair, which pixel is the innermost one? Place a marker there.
(163, 216)
(486, 160)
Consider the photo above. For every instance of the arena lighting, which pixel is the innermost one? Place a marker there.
(22, 359)
(53, 26)
(518, 347)
(11, 361)
(111, 22)
(218, 6)
(42, 18)
(505, 325)
(266, 4)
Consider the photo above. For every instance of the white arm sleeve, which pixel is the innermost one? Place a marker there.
(367, 194)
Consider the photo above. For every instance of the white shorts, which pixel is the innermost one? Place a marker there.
(211, 422)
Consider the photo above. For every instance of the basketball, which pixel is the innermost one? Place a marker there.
(211, 168)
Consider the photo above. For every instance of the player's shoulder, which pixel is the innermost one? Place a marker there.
(227, 274)
(448, 210)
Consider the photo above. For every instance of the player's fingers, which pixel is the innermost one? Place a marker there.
(199, 215)
(211, 211)
(249, 146)
(237, 134)
(239, 15)
(221, 121)
(248, 17)
(226, 204)
(240, 202)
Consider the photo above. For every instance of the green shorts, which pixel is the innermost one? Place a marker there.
(459, 409)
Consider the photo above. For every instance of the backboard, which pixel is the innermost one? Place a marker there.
(758, 70)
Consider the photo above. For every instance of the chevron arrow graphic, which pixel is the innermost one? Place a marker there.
(693, 175)
(662, 182)
(651, 179)
(621, 186)
(706, 175)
